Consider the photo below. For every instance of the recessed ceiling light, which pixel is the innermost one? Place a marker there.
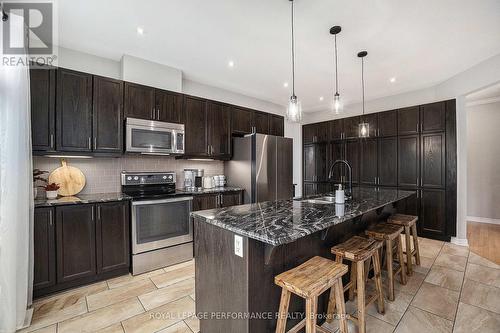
(392, 79)
(140, 31)
(285, 84)
(321, 98)
(230, 63)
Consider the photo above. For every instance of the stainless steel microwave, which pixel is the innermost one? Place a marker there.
(154, 137)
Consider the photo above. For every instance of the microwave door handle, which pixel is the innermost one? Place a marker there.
(174, 141)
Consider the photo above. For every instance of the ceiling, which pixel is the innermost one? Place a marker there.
(420, 43)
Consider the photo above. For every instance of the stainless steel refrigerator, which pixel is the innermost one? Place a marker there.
(263, 166)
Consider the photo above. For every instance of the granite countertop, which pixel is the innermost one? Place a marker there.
(82, 199)
(284, 221)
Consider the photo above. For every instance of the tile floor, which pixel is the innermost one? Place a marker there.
(453, 290)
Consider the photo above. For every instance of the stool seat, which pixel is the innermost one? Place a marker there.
(403, 219)
(312, 277)
(356, 248)
(384, 231)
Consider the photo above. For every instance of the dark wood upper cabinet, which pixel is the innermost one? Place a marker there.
(309, 155)
(432, 217)
(276, 125)
(219, 128)
(316, 133)
(316, 162)
(388, 123)
(352, 156)
(336, 129)
(195, 126)
(75, 239)
(322, 131)
(112, 236)
(43, 119)
(139, 101)
(308, 133)
(44, 252)
(388, 161)
(372, 120)
(242, 121)
(369, 156)
(408, 161)
(433, 159)
(409, 120)
(107, 115)
(168, 106)
(351, 127)
(74, 111)
(337, 152)
(433, 117)
(261, 122)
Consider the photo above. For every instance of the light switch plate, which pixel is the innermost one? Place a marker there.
(238, 245)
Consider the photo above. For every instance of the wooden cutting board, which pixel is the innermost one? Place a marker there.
(70, 179)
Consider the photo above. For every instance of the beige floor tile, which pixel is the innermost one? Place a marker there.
(57, 314)
(180, 327)
(451, 261)
(161, 317)
(425, 265)
(429, 250)
(193, 323)
(71, 296)
(456, 250)
(102, 318)
(476, 259)
(416, 320)
(173, 276)
(116, 328)
(116, 295)
(445, 277)
(124, 280)
(430, 242)
(481, 295)
(393, 310)
(413, 283)
(177, 266)
(167, 294)
(471, 319)
(437, 300)
(48, 329)
(373, 325)
(483, 274)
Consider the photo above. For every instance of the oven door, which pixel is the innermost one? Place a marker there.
(161, 223)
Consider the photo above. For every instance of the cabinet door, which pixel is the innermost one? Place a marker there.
(309, 133)
(74, 111)
(276, 125)
(408, 120)
(372, 120)
(388, 123)
(205, 201)
(168, 106)
(112, 236)
(242, 121)
(336, 129)
(196, 126)
(231, 199)
(75, 242)
(43, 119)
(322, 132)
(408, 161)
(310, 163)
(351, 127)
(219, 129)
(352, 156)
(369, 156)
(44, 249)
(261, 122)
(324, 188)
(433, 161)
(432, 117)
(321, 157)
(388, 161)
(107, 115)
(139, 101)
(309, 189)
(337, 152)
(432, 218)
(410, 205)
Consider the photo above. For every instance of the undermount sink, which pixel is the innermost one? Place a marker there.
(322, 200)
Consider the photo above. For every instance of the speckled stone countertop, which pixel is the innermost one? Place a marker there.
(281, 222)
(82, 199)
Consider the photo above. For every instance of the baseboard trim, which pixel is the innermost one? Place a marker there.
(459, 241)
(483, 220)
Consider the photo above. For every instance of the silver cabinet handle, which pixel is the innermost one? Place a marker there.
(158, 114)
(99, 213)
(51, 218)
(93, 215)
(217, 201)
(51, 140)
(418, 126)
(90, 142)
(375, 180)
(95, 142)
(153, 113)
(221, 199)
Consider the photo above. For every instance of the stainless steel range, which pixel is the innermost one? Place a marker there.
(162, 231)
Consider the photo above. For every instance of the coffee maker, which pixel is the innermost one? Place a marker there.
(193, 179)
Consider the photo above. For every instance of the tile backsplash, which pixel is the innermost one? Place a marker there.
(103, 174)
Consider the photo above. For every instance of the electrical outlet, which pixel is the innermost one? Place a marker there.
(238, 245)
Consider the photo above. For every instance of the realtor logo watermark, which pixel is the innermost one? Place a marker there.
(28, 33)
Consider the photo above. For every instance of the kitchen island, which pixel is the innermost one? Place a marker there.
(239, 250)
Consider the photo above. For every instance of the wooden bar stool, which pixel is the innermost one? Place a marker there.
(358, 251)
(409, 222)
(308, 281)
(389, 233)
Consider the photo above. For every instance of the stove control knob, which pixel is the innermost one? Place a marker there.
(129, 178)
(164, 177)
(136, 178)
(170, 177)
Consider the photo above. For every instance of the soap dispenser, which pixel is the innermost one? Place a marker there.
(340, 195)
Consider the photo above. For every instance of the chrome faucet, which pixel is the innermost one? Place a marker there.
(349, 168)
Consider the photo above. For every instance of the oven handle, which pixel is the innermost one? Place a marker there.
(153, 202)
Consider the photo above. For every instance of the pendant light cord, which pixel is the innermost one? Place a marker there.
(363, 82)
(336, 69)
(293, 54)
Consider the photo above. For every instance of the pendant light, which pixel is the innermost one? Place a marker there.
(337, 104)
(294, 110)
(364, 127)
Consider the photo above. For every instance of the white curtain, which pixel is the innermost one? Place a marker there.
(16, 192)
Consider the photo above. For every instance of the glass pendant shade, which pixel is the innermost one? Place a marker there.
(337, 103)
(364, 130)
(294, 110)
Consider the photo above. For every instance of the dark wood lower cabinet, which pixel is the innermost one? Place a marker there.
(432, 217)
(317, 188)
(231, 199)
(205, 201)
(217, 200)
(44, 251)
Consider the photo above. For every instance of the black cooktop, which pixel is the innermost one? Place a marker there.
(142, 192)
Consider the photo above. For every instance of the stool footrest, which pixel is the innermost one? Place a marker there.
(302, 324)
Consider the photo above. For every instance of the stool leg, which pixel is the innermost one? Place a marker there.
(390, 271)
(311, 309)
(353, 280)
(283, 311)
(402, 272)
(331, 305)
(339, 297)
(409, 259)
(378, 282)
(361, 296)
(367, 268)
(415, 243)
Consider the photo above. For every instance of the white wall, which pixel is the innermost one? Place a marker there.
(151, 74)
(89, 63)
